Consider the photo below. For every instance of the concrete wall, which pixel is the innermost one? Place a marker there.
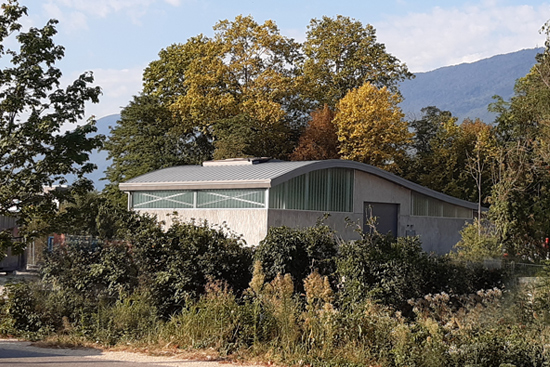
(249, 222)
(438, 235)
(369, 188)
(308, 218)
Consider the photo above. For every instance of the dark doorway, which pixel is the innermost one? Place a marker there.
(386, 217)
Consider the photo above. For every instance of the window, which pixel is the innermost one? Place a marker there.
(425, 206)
(323, 190)
(190, 199)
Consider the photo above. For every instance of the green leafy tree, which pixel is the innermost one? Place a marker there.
(371, 128)
(452, 158)
(521, 195)
(146, 138)
(34, 151)
(246, 72)
(342, 54)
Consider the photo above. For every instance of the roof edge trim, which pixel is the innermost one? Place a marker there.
(204, 185)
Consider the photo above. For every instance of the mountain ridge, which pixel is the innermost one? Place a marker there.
(467, 89)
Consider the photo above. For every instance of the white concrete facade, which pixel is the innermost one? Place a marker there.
(251, 224)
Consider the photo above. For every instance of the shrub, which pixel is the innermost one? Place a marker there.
(396, 270)
(177, 264)
(215, 321)
(25, 311)
(130, 319)
(479, 242)
(297, 252)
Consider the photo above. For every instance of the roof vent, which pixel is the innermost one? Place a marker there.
(236, 161)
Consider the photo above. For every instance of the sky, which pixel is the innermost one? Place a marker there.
(117, 39)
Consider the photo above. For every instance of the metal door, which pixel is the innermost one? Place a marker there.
(385, 215)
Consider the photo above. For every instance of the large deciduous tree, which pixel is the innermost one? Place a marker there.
(449, 157)
(521, 194)
(342, 54)
(245, 73)
(34, 151)
(371, 128)
(250, 91)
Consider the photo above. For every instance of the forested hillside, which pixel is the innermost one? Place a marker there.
(467, 89)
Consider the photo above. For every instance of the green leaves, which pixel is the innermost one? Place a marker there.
(341, 54)
(249, 90)
(34, 152)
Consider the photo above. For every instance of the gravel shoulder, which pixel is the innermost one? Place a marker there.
(90, 354)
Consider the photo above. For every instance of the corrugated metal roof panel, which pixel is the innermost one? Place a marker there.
(256, 172)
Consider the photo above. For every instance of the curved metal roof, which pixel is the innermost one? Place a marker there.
(262, 175)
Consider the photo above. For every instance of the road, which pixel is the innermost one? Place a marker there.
(23, 354)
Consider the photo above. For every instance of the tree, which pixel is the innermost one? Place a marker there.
(34, 152)
(247, 70)
(319, 140)
(426, 128)
(451, 158)
(148, 137)
(341, 54)
(480, 158)
(521, 191)
(371, 128)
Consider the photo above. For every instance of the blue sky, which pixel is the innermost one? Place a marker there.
(116, 39)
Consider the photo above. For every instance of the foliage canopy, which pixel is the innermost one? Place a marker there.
(34, 110)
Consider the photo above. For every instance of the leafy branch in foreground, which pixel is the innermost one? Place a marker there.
(34, 109)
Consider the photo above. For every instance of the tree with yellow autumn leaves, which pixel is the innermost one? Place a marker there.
(371, 127)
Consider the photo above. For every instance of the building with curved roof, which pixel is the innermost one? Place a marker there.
(251, 195)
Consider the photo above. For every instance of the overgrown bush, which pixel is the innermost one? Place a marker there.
(396, 270)
(479, 241)
(28, 312)
(297, 252)
(175, 265)
(376, 301)
(132, 318)
(172, 265)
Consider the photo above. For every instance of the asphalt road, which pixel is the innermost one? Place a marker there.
(22, 354)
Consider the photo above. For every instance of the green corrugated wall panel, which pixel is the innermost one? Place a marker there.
(323, 190)
(424, 206)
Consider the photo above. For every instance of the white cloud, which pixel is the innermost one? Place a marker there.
(101, 8)
(447, 36)
(118, 87)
